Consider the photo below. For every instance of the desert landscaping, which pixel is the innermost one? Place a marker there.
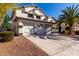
(20, 46)
(28, 31)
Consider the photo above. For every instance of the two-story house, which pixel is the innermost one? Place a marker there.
(31, 20)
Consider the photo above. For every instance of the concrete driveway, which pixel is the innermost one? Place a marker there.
(58, 45)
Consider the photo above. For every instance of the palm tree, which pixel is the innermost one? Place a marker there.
(70, 16)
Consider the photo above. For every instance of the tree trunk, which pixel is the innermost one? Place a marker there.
(1, 21)
(71, 30)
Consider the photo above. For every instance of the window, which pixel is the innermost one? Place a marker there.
(20, 26)
(45, 27)
(30, 15)
(20, 33)
(38, 17)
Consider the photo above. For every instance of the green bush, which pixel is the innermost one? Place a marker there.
(6, 36)
(77, 32)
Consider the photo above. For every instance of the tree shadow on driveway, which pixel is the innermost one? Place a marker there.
(75, 37)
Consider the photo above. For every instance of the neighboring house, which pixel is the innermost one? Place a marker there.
(31, 20)
(75, 26)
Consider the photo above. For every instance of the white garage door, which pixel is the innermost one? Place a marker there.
(27, 30)
(40, 31)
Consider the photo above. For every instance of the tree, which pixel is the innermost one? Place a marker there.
(4, 8)
(70, 16)
(6, 25)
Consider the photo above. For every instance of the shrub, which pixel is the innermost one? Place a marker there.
(66, 28)
(77, 32)
(63, 32)
(67, 32)
(6, 36)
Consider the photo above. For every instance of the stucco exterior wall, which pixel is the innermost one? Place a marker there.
(51, 19)
(27, 25)
(20, 14)
(76, 27)
(33, 27)
(27, 9)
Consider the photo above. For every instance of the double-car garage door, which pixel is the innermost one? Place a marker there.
(27, 30)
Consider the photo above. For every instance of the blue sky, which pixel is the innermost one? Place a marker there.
(51, 9)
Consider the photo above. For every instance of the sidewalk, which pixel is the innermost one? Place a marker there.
(62, 46)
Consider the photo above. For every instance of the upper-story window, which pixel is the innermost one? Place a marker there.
(38, 17)
(30, 15)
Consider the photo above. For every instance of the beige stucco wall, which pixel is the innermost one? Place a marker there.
(19, 13)
(27, 9)
(28, 23)
(76, 27)
(28, 27)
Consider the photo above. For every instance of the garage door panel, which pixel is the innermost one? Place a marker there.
(27, 30)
